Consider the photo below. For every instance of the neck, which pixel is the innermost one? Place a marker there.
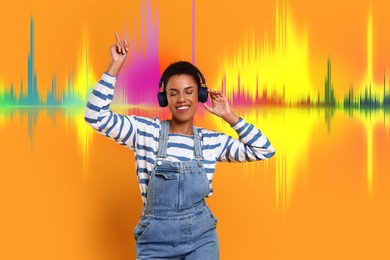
(184, 128)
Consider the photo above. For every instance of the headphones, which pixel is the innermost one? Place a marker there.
(202, 90)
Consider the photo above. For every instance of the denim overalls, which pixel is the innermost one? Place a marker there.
(176, 223)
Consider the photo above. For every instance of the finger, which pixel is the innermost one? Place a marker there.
(213, 95)
(211, 92)
(117, 37)
(118, 47)
(218, 93)
(126, 45)
(123, 48)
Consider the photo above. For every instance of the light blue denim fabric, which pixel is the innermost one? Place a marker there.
(176, 222)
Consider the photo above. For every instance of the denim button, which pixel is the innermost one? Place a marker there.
(159, 162)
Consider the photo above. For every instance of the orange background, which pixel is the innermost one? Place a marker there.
(325, 194)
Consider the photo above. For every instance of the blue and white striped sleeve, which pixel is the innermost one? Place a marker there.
(252, 144)
(98, 114)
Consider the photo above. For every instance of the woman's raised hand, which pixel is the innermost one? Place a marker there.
(220, 106)
(118, 53)
(119, 49)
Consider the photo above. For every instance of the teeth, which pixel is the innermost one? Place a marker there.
(182, 108)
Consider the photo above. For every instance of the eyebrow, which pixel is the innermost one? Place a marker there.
(174, 89)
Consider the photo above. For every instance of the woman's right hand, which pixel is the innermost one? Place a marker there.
(118, 53)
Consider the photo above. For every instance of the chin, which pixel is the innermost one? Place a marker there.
(180, 116)
(188, 116)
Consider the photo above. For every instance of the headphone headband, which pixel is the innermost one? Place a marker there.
(202, 90)
(202, 79)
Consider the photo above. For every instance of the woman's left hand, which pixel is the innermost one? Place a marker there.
(220, 106)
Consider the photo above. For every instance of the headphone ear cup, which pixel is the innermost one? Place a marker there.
(162, 99)
(203, 94)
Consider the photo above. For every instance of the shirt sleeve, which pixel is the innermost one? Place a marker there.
(100, 117)
(252, 144)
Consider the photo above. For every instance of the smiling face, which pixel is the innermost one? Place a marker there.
(182, 95)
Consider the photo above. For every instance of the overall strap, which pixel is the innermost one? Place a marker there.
(197, 144)
(163, 140)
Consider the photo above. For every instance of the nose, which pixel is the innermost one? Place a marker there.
(180, 97)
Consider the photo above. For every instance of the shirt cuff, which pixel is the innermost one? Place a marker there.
(238, 124)
(109, 78)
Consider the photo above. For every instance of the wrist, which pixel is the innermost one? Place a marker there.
(114, 68)
(231, 118)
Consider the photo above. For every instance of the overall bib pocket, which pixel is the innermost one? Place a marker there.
(166, 188)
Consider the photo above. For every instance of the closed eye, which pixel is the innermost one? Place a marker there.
(189, 90)
(172, 93)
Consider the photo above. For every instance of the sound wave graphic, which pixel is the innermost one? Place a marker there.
(255, 72)
(74, 92)
(139, 77)
(137, 83)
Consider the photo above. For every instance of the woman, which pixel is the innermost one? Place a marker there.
(175, 160)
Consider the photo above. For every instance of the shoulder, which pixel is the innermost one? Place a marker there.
(209, 134)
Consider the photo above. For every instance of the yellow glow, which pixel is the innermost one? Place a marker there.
(369, 122)
(369, 84)
(282, 69)
(84, 136)
(3, 119)
(289, 131)
(85, 79)
(85, 76)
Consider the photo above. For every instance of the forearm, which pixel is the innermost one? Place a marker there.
(252, 144)
(256, 144)
(231, 118)
(114, 68)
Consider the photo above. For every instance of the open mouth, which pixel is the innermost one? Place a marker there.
(183, 108)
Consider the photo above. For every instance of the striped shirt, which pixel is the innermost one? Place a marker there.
(141, 135)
